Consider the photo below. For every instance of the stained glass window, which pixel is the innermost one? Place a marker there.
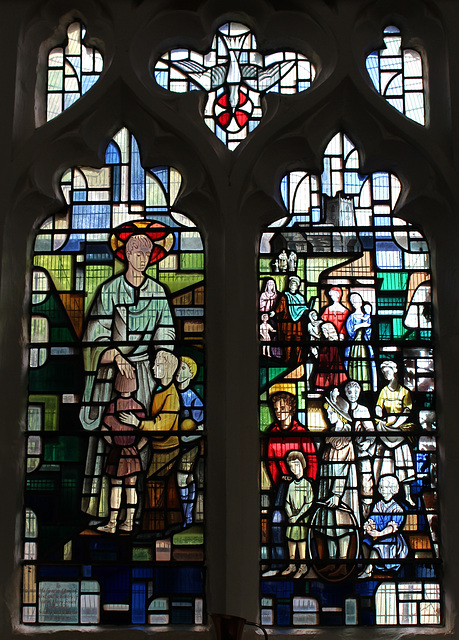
(347, 405)
(397, 75)
(115, 434)
(73, 69)
(235, 76)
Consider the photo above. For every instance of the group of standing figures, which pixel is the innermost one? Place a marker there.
(145, 419)
(337, 499)
(342, 496)
(287, 321)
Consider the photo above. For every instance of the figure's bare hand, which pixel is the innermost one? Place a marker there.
(126, 369)
(333, 501)
(394, 525)
(126, 417)
(369, 525)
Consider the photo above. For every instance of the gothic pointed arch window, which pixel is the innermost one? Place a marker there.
(226, 104)
(347, 407)
(114, 493)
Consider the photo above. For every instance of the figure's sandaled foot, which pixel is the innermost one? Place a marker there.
(367, 573)
(290, 569)
(110, 527)
(302, 570)
(126, 526)
(270, 573)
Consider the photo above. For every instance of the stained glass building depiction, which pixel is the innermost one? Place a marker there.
(235, 76)
(115, 434)
(347, 405)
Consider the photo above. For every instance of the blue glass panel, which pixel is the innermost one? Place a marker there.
(162, 173)
(284, 190)
(373, 69)
(112, 154)
(283, 614)
(138, 603)
(162, 78)
(75, 61)
(142, 573)
(388, 255)
(58, 572)
(280, 589)
(178, 580)
(366, 239)
(80, 196)
(221, 135)
(353, 182)
(137, 173)
(326, 177)
(94, 216)
(382, 221)
(114, 582)
(116, 183)
(88, 82)
(381, 186)
(69, 99)
(98, 253)
(74, 242)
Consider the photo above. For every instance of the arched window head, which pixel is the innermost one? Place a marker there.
(115, 434)
(347, 405)
(235, 76)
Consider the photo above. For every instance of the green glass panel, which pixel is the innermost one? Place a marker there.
(95, 276)
(55, 77)
(176, 282)
(192, 536)
(142, 554)
(51, 403)
(399, 330)
(265, 417)
(385, 331)
(265, 265)
(393, 281)
(64, 449)
(191, 261)
(59, 267)
(61, 334)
